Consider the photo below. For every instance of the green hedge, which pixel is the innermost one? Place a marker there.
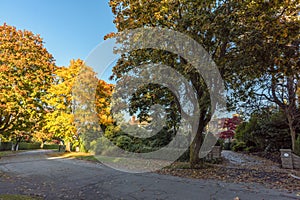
(6, 146)
(29, 146)
(50, 146)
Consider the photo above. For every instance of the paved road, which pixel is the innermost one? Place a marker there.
(34, 173)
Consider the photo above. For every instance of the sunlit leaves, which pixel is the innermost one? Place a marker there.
(103, 102)
(26, 70)
(59, 120)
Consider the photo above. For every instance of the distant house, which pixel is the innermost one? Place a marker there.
(134, 121)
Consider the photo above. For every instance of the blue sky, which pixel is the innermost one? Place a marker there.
(71, 29)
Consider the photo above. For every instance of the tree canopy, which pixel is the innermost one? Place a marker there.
(255, 45)
(26, 73)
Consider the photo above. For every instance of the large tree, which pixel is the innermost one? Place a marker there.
(255, 45)
(59, 119)
(195, 19)
(265, 57)
(26, 70)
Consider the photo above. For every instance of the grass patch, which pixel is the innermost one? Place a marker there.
(109, 159)
(6, 153)
(17, 197)
(88, 158)
(76, 155)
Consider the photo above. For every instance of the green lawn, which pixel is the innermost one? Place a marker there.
(5, 153)
(77, 155)
(17, 197)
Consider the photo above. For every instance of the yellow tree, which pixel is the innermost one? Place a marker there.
(67, 111)
(103, 103)
(59, 119)
(26, 70)
(91, 105)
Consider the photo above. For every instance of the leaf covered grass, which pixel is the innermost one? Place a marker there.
(271, 178)
(6, 153)
(17, 197)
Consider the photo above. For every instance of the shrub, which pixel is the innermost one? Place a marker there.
(297, 146)
(51, 146)
(29, 146)
(265, 131)
(238, 146)
(124, 142)
(5, 146)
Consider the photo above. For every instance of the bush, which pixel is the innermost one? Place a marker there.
(124, 142)
(220, 142)
(297, 146)
(29, 146)
(238, 146)
(5, 146)
(50, 146)
(265, 131)
(227, 146)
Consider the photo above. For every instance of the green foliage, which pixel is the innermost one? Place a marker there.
(238, 146)
(192, 18)
(27, 146)
(124, 142)
(220, 143)
(50, 146)
(297, 146)
(265, 57)
(265, 131)
(5, 146)
(22, 146)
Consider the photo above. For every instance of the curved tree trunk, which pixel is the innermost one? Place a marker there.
(196, 146)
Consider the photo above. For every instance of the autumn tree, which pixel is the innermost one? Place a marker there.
(60, 116)
(76, 100)
(103, 103)
(255, 45)
(230, 125)
(196, 19)
(26, 70)
(93, 112)
(42, 135)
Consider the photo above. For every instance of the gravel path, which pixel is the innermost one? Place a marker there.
(241, 159)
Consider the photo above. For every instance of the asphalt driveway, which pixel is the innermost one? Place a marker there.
(34, 173)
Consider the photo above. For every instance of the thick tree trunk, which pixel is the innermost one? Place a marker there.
(292, 129)
(196, 146)
(16, 146)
